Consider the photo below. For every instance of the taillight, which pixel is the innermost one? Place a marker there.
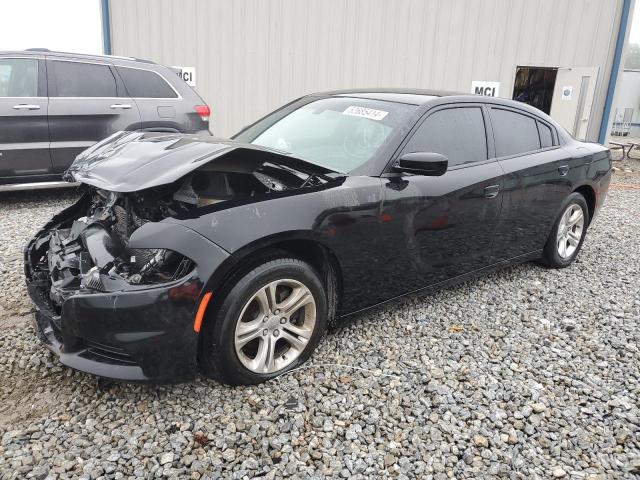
(204, 111)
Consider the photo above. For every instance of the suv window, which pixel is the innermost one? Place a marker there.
(457, 133)
(514, 133)
(76, 79)
(18, 77)
(546, 138)
(145, 83)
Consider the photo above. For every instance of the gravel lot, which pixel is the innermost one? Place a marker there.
(526, 373)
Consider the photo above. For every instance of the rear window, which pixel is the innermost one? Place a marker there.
(515, 134)
(145, 84)
(18, 77)
(77, 79)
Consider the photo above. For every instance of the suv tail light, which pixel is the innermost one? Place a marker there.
(204, 111)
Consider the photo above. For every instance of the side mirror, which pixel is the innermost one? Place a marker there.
(423, 163)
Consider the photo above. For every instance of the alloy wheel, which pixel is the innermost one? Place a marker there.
(570, 231)
(275, 326)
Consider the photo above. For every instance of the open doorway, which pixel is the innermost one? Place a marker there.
(534, 86)
(564, 93)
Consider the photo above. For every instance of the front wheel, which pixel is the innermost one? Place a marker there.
(567, 236)
(269, 322)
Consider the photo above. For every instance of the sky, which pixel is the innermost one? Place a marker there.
(64, 25)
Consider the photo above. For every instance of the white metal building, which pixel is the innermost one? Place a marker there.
(626, 111)
(251, 56)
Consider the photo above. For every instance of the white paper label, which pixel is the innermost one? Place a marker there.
(365, 112)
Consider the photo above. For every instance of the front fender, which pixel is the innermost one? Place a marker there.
(343, 218)
(323, 214)
(206, 254)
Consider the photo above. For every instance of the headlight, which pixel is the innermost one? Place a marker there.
(149, 266)
(145, 267)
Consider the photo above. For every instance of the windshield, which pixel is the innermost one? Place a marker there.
(338, 133)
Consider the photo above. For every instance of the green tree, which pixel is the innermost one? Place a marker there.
(633, 56)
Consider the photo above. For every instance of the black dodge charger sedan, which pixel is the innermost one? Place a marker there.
(235, 255)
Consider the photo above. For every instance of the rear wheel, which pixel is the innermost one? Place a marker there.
(270, 321)
(570, 228)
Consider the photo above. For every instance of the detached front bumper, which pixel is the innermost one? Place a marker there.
(145, 335)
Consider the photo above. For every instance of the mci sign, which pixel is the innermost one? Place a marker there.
(188, 74)
(490, 89)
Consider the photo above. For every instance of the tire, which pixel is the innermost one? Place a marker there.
(552, 255)
(244, 328)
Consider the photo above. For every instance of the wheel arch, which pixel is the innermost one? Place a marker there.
(301, 245)
(589, 194)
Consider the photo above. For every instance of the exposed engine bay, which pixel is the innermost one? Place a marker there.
(91, 253)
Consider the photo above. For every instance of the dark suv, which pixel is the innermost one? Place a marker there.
(54, 105)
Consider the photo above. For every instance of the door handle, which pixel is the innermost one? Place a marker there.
(123, 106)
(24, 106)
(491, 191)
(563, 170)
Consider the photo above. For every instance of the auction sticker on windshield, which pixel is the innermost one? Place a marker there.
(365, 112)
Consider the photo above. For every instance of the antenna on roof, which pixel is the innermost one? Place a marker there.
(37, 50)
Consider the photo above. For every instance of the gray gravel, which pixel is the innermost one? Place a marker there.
(526, 373)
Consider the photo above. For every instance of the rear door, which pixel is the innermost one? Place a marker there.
(24, 133)
(87, 102)
(536, 180)
(441, 227)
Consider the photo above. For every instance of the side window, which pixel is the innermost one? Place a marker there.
(18, 77)
(457, 133)
(514, 133)
(546, 137)
(75, 79)
(145, 84)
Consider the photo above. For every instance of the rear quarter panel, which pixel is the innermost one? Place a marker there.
(597, 171)
(176, 114)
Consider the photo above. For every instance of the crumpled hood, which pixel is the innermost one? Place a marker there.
(132, 161)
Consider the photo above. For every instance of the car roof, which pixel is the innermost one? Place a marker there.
(422, 97)
(40, 52)
(412, 96)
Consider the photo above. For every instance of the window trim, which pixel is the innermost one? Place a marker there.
(535, 118)
(553, 138)
(28, 57)
(177, 97)
(447, 106)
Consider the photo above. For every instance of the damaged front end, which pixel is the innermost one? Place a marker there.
(105, 307)
(116, 277)
(92, 253)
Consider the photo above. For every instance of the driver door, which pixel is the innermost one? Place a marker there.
(441, 227)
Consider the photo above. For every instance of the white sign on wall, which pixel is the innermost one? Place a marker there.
(490, 89)
(567, 92)
(188, 74)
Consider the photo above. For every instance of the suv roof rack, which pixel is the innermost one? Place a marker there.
(121, 57)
